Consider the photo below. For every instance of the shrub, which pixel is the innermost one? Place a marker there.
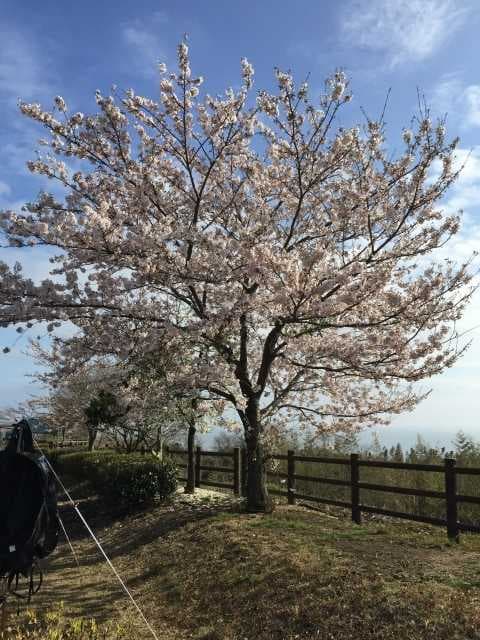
(128, 478)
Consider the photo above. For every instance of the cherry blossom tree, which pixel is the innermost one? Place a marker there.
(163, 379)
(137, 401)
(87, 399)
(299, 253)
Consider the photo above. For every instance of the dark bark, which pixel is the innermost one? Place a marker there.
(258, 499)
(92, 436)
(158, 447)
(190, 486)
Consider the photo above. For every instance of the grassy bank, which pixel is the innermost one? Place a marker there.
(210, 575)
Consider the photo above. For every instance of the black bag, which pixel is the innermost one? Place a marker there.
(29, 522)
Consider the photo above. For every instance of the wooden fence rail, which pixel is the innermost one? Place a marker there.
(238, 473)
(235, 470)
(66, 444)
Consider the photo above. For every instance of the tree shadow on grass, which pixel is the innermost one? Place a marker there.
(91, 590)
(122, 530)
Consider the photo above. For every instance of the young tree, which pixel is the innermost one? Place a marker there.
(174, 371)
(298, 253)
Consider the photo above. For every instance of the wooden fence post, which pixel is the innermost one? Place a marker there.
(236, 471)
(244, 472)
(198, 463)
(290, 476)
(451, 493)
(355, 489)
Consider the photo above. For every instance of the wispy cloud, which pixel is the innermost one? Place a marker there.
(402, 30)
(145, 39)
(25, 71)
(459, 100)
(4, 189)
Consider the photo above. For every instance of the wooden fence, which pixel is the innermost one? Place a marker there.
(233, 471)
(236, 473)
(66, 444)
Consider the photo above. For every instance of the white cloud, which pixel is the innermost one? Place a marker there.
(446, 93)
(464, 194)
(460, 101)
(454, 402)
(472, 99)
(146, 41)
(455, 388)
(404, 30)
(468, 160)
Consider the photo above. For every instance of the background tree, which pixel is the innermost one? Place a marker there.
(157, 386)
(346, 443)
(104, 410)
(226, 441)
(299, 254)
(72, 381)
(464, 446)
(398, 453)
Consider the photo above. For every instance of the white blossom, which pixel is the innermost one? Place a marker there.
(60, 103)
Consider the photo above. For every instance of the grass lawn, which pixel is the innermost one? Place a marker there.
(203, 573)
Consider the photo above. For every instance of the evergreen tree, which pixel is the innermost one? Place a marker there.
(421, 448)
(398, 454)
(465, 446)
(103, 411)
(376, 446)
(346, 443)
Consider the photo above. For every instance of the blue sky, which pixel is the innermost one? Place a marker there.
(72, 49)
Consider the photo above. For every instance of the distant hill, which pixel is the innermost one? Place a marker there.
(37, 425)
(389, 436)
(6, 420)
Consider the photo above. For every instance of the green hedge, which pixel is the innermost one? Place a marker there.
(129, 478)
(54, 454)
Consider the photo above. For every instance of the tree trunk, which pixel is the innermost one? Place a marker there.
(190, 486)
(158, 447)
(258, 499)
(92, 436)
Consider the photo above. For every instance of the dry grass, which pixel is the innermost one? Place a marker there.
(203, 572)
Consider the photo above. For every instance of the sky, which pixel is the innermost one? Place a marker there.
(409, 46)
